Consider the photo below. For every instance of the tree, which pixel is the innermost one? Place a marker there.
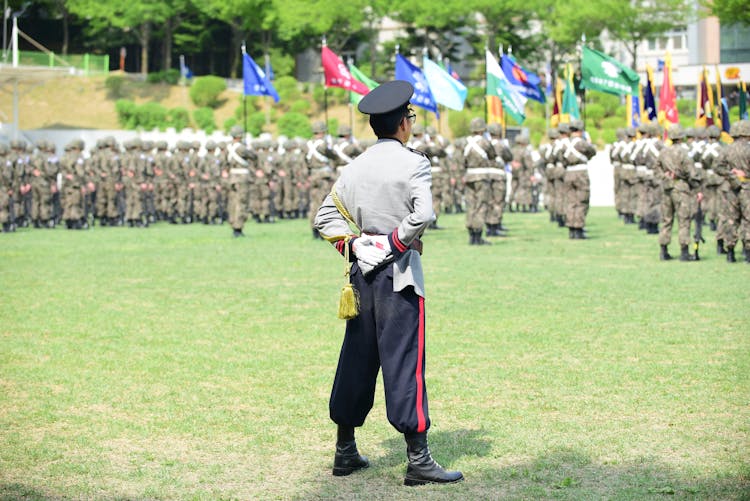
(636, 21)
(136, 17)
(729, 11)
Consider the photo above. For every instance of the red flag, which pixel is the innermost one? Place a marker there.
(337, 74)
(667, 96)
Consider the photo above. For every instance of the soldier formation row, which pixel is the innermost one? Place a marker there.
(695, 179)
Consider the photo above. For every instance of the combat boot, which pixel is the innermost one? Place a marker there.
(347, 459)
(730, 255)
(720, 246)
(572, 233)
(422, 469)
(580, 235)
(685, 255)
(472, 237)
(664, 255)
(480, 240)
(238, 233)
(712, 225)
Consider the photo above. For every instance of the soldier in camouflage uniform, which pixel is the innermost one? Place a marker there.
(106, 165)
(421, 142)
(479, 158)
(43, 169)
(161, 181)
(291, 179)
(456, 177)
(498, 182)
(523, 170)
(263, 182)
(733, 164)
(322, 175)
(149, 198)
(241, 167)
(577, 183)
(614, 159)
(557, 176)
(680, 183)
(132, 180)
(6, 190)
(545, 150)
(74, 182)
(628, 180)
(712, 180)
(210, 185)
(22, 187)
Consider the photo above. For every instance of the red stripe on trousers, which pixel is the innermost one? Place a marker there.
(421, 422)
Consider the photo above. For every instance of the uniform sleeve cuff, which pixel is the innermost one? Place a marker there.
(340, 246)
(397, 247)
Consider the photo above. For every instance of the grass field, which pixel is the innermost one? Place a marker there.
(178, 363)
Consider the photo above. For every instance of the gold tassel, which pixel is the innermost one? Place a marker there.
(349, 301)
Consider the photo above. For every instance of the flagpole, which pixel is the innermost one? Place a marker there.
(266, 104)
(244, 96)
(325, 90)
(350, 62)
(503, 123)
(580, 65)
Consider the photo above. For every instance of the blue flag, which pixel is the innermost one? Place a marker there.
(447, 90)
(525, 82)
(269, 70)
(635, 111)
(422, 96)
(255, 80)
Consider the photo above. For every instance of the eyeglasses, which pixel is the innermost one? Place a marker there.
(412, 117)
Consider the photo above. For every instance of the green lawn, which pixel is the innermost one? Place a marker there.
(178, 363)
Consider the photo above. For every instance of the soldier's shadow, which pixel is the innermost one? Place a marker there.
(446, 446)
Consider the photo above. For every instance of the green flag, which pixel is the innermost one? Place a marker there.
(355, 98)
(498, 85)
(570, 103)
(605, 74)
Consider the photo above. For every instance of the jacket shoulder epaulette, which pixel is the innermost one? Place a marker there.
(420, 153)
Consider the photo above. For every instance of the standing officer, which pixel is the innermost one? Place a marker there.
(385, 192)
(241, 162)
(676, 171)
(577, 183)
(479, 157)
(733, 164)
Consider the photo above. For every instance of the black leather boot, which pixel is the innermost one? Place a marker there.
(572, 233)
(472, 237)
(730, 255)
(664, 254)
(685, 255)
(347, 459)
(720, 246)
(480, 240)
(422, 469)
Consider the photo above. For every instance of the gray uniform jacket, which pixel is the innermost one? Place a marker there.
(385, 189)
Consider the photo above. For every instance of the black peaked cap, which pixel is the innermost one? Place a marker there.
(386, 97)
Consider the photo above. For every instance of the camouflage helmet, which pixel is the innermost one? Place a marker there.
(495, 129)
(675, 132)
(319, 127)
(136, 143)
(75, 144)
(344, 130)
(689, 132)
(630, 132)
(4, 149)
(147, 145)
(563, 128)
(18, 144)
(713, 132)
(210, 145)
(701, 133)
(620, 133)
(553, 133)
(417, 130)
(236, 131)
(477, 125)
(643, 128)
(41, 144)
(521, 139)
(576, 125)
(162, 145)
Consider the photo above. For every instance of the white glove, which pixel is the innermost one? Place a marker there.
(369, 253)
(381, 242)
